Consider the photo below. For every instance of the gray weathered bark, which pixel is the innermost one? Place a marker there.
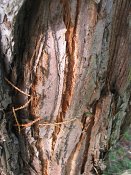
(73, 59)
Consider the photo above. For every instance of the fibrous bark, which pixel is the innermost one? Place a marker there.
(73, 58)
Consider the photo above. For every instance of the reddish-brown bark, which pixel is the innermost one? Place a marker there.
(73, 58)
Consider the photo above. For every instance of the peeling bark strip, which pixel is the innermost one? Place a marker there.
(71, 51)
(72, 60)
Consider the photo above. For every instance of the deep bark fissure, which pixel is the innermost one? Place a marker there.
(72, 57)
(87, 144)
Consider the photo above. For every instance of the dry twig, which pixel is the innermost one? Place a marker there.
(59, 123)
(36, 120)
(16, 119)
(45, 123)
(16, 87)
(30, 123)
(96, 170)
(22, 107)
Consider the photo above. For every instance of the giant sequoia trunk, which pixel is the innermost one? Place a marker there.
(73, 59)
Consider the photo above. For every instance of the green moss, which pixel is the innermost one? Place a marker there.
(127, 136)
(87, 114)
(118, 158)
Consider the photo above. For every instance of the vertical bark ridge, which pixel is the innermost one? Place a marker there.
(71, 47)
(119, 48)
(71, 56)
(62, 58)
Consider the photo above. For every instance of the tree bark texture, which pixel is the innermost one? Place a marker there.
(74, 60)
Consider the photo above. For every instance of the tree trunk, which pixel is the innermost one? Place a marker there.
(72, 59)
